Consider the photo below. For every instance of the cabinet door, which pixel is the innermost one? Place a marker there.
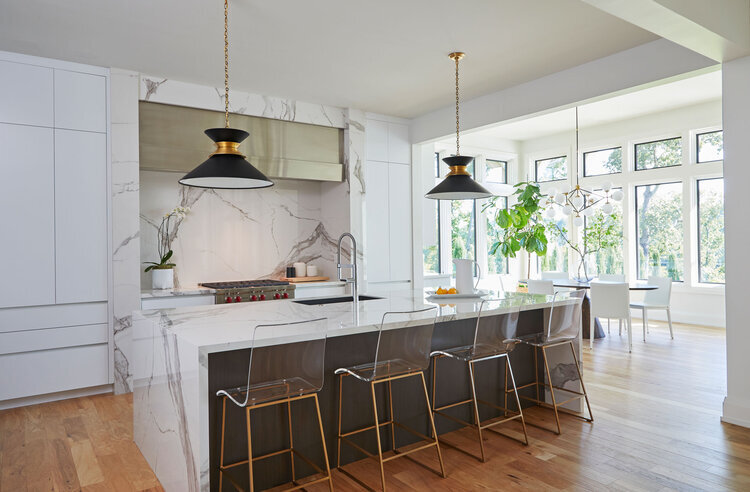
(80, 101)
(399, 206)
(376, 135)
(399, 148)
(80, 216)
(25, 94)
(27, 216)
(376, 203)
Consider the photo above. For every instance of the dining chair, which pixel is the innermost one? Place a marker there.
(402, 352)
(610, 300)
(546, 287)
(656, 299)
(612, 277)
(279, 375)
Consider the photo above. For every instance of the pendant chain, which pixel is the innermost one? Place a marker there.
(226, 63)
(458, 148)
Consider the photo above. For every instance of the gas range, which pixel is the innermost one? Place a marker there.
(251, 290)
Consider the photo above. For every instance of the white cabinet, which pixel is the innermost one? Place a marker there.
(27, 247)
(25, 94)
(378, 219)
(169, 302)
(80, 216)
(399, 147)
(399, 215)
(80, 101)
(377, 140)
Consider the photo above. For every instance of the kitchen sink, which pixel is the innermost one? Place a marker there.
(333, 300)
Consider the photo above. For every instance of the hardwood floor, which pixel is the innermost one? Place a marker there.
(656, 428)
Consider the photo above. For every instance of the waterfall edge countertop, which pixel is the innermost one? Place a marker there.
(230, 326)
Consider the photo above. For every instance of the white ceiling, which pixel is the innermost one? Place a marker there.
(686, 92)
(386, 56)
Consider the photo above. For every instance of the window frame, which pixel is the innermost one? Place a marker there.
(635, 153)
(697, 145)
(583, 158)
(536, 169)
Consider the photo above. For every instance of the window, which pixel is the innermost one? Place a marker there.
(553, 169)
(710, 146)
(497, 171)
(556, 259)
(609, 260)
(659, 230)
(711, 230)
(497, 263)
(431, 240)
(660, 153)
(463, 229)
(598, 162)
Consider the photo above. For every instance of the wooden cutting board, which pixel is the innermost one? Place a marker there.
(297, 280)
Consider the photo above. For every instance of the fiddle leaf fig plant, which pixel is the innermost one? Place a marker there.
(522, 224)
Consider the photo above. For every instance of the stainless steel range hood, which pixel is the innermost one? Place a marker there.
(171, 139)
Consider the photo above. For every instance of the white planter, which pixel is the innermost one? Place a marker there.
(162, 278)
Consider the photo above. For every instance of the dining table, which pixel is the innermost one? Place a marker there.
(586, 306)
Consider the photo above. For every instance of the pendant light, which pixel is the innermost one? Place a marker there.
(458, 184)
(226, 168)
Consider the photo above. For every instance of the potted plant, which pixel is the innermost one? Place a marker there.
(162, 273)
(522, 224)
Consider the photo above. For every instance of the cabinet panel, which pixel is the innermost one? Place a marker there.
(25, 94)
(53, 338)
(27, 215)
(169, 302)
(80, 216)
(399, 207)
(80, 101)
(377, 140)
(399, 148)
(376, 203)
(54, 316)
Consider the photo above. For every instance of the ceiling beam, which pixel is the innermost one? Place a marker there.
(717, 29)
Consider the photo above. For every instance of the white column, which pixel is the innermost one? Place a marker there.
(736, 108)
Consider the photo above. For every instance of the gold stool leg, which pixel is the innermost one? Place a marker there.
(580, 378)
(477, 421)
(509, 370)
(291, 440)
(221, 454)
(434, 383)
(249, 449)
(323, 442)
(377, 433)
(551, 389)
(536, 372)
(338, 437)
(393, 421)
(432, 425)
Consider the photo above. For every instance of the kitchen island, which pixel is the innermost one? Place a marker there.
(183, 356)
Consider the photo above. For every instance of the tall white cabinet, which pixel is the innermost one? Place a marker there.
(388, 248)
(55, 323)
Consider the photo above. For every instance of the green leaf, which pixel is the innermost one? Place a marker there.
(503, 219)
(166, 256)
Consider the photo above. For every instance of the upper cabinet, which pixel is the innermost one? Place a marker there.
(388, 142)
(80, 101)
(399, 147)
(26, 95)
(377, 140)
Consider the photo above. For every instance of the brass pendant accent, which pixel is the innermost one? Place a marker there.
(232, 148)
(458, 171)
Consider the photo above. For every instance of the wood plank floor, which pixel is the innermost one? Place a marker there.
(656, 428)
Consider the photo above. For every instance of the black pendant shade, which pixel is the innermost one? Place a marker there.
(458, 184)
(226, 168)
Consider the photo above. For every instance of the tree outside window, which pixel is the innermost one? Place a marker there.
(608, 260)
(598, 162)
(711, 267)
(497, 263)
(553, 169)
(710, 146)
(660, 153)
(556, 259)
(431, 248)
(660, 230)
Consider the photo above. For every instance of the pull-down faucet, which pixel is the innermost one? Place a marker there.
(353, 265)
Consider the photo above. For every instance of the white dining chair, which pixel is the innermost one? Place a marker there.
(610, 300)
(656, 299)
(555, 276)
(546, 287)
(612, 277)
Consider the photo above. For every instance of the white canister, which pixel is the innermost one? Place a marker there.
(300, 269)
(312, 271)
(162, 278)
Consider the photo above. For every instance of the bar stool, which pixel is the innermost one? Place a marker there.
(402, 352)
(563, 327)
(494, 337)
(280, 375)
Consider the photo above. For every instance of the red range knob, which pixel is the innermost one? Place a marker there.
(228, 299)
(286, 295)
(262, 297)
(277, 296)
(254, 298)
(238, 299)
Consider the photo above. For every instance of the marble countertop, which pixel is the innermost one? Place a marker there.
(230, 326)
(327, 283)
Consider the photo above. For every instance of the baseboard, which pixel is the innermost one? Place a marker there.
(62, 395)
(683, 317)
(735, 413)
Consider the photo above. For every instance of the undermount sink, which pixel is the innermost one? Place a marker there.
(333, 300)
